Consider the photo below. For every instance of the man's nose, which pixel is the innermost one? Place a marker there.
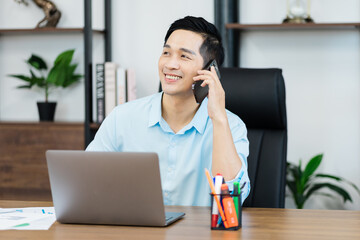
(172, 63)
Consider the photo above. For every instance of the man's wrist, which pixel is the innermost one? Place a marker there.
(220, 120)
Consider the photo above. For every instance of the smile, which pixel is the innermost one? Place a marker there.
(172, 77)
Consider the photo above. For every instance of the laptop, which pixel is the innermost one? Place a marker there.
(117, 188)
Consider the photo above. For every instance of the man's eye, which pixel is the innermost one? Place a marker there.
(165, 53)
(185, 56)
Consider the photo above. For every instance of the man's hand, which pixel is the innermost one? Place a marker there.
(216, 96)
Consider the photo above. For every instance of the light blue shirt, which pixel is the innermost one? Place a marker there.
(138, 126)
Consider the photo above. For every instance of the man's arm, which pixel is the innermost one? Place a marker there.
(225, 159)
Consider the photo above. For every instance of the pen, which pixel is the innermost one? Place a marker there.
(216, 197)
(236, 198)
(215, 210)
(242, 186)
(219, 222)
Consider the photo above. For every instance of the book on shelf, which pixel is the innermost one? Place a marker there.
(110, 87)
(114, 85)
(100, 93)
(131, 84)
(120, 86)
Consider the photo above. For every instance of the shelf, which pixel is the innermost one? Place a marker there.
(3, 123)
(94, 126)
(293, 26)
(46, 30)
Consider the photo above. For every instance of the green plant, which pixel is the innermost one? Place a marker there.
(305, 183)
(60, 75)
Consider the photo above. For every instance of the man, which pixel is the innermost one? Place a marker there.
(187, 136)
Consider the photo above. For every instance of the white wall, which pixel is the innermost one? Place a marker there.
(321, 68)
(139, 28)
(322, 77)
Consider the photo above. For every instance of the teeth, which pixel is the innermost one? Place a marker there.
(172, 77)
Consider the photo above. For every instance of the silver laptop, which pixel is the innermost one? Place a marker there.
(118, 188)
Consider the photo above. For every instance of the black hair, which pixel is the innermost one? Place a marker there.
(212, 47)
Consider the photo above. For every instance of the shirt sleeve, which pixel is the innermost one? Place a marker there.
(239, 134)
(105, 139)
(243, 179)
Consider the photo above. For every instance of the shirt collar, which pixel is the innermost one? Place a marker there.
(155, 111)
(201, 117)
(198, 122)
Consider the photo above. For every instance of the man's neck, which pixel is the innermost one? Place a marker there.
(178, 111)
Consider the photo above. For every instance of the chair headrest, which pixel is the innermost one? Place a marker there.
(257, 96)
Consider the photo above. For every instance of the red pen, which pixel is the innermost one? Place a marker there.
(215, 210)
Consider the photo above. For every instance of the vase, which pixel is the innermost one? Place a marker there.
(46, 111)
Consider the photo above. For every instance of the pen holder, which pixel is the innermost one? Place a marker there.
(231, 207)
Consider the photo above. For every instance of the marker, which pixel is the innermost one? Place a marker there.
(216, 197)
(215, 210)
(229, 207)
(236, 198)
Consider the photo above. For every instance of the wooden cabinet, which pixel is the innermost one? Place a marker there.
(23, 169)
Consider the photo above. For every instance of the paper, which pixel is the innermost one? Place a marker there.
(33, 218)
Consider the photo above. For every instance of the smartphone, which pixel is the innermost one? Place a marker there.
(201, 92)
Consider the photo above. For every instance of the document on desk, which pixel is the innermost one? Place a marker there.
(32, 218)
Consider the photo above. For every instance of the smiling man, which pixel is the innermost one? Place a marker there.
(187, 136)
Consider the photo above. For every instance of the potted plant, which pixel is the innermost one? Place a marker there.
(303, 183)
(62, 74)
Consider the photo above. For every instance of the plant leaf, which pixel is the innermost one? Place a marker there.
(74, 79)
(310, 168)
(337, 189)
(21, 77)
(56, 75)
(339, 179)
(24, 86)
(32, 74)
(62, 73)
(64, 57)
(328, 176)
(37, 62)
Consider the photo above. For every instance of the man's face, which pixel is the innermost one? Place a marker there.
(179, 62)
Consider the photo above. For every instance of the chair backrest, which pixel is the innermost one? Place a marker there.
(257, 96)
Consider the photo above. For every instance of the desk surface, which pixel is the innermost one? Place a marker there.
(257, 223)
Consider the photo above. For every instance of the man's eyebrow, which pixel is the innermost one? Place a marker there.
(188, 51)
(182, 49)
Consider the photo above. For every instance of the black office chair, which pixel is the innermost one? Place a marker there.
(257, 96)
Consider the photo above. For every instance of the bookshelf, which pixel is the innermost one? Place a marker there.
(227, 21)
(90, 127)
(46, 30)
(87, 32)
(293, 26)
(237, 29)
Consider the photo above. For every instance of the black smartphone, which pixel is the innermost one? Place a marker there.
(201, 92)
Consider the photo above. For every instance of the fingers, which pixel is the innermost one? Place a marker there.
(208, 77)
